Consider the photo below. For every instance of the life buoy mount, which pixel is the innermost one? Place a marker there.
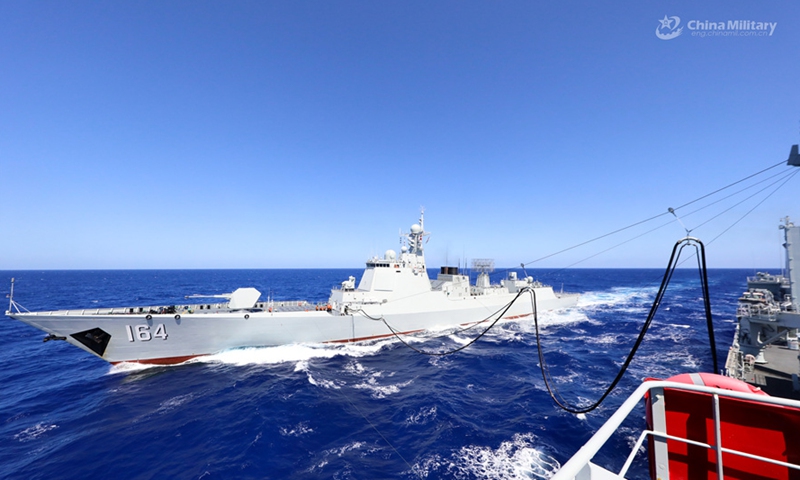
(716, 381)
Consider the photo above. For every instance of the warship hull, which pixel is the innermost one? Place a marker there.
(394, 296)
(174, 338)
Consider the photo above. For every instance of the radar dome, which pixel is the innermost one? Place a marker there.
(404, 249)
(416, 228)
(389, 255)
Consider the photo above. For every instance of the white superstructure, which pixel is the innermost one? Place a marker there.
(395, 291)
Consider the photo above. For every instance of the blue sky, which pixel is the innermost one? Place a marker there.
(195, 134)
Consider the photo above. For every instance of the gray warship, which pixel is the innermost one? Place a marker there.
(765, 347)
(395, 296)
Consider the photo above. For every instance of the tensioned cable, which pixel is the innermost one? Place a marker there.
(666, 213)
(654, 216)
(730, 185)
(789, 177)
(596, 238)
(782, 174)
(784, 178)
(617, 245)
(756, 206)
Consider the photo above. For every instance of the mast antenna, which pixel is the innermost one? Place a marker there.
(11, 296)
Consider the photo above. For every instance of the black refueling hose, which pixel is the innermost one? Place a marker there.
(673, 262)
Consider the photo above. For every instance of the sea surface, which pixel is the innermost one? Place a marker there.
(360, 411)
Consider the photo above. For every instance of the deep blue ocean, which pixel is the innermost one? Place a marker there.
(364, 411)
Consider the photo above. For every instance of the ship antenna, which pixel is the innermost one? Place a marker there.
(11, 296)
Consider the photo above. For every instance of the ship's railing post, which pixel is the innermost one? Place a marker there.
(660, 449)
(718, 437)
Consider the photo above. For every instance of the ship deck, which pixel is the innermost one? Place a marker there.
(275, 307)
(775, 376)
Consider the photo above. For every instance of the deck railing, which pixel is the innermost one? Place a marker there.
(580, 466)
(283, 305)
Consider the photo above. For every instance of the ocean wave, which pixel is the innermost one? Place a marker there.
(335, 452)
(174, 402)
(34, 432)
(295, 431)
(381, 391)
(616, 296)
(291, 353)
(423, 416)
(371, 383)
(295, 352)
(515, 458)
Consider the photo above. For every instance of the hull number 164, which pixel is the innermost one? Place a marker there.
(142, 333)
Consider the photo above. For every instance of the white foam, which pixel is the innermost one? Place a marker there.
(516, 458)
(34, 432)
(338, 452)
(425, 415)
(129, 367)
(296, 352)
(300, 429)
(342, 450)
(302, 366)
(174, 402)
(615, 296)
(380, 391)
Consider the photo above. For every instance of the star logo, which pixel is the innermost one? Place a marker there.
(668, 28)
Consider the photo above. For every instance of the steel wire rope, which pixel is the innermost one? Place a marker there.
(613, 247)
(784, 174)
(785, 181)
(785, 178)
(756, 206)
(647, 219)
(730, 185)
(659, 227)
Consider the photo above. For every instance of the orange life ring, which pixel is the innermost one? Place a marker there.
(716, 381)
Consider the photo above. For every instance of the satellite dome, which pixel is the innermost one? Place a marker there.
(404, 249)
(416, 228)
(389, 255)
